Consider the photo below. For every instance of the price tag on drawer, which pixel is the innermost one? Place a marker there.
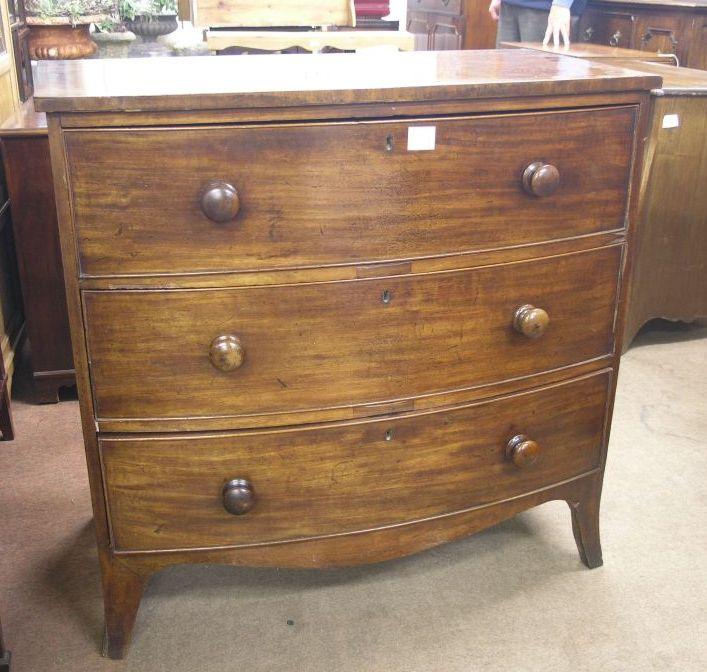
(671, 121)
(421, 138)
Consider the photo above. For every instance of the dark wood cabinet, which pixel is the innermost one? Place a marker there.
(676, 27)
(23, 64)
(7, 430)
(613, 29)
(19, 33)
(4, 654)
(438, 25)
(11, 324)
(671, 256)
(25, 155)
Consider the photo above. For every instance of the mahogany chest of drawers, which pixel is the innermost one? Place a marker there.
(321, 318)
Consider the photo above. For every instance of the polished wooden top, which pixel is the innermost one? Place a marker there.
(26, 121)
(691, 4)
(318, 79)
(590, 50)
(676, 81)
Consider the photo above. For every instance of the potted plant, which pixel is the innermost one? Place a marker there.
(59, 29)
(113, 38)
(149, 18)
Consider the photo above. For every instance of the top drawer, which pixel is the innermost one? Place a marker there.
(331, 193)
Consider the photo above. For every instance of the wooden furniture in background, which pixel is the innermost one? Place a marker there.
(4, 654)
(281, 26)
(481, 29)
(25, 154)
(671, 254)
(7, 429)
(437, 24)
(297, 352)
(11, 318)
(667, 26)
(596, 52)
(670, 271)
(23, 64)
(11, 322)
(19, 37)
(451, 24)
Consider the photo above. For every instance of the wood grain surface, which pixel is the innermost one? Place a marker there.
(166, 492)
(323, 194)
(600, 52)
(670, 272)
(320, 345)
(190, 83)
(389, 345)
(36, 232)
(255, 13)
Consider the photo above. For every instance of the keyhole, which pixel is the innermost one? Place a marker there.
(389, 435)
(386, 296)
(389, 143)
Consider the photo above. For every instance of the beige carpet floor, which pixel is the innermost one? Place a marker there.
(514, 598)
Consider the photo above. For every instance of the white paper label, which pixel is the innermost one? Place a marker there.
(421, 138)
(671, 120)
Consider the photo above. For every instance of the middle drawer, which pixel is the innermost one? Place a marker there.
(285, 348)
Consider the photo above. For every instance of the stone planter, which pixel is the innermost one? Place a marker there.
(149, 28)
(113, 45)
(57, 38)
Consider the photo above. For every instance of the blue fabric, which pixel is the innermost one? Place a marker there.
(576, 6)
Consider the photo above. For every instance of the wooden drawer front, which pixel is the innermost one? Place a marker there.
(665, 33)
(167, 493)
(323, 345)
(614, 29)
(318, 194)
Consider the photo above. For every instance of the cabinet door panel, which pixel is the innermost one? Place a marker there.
(418, 25)
(662, 33)
(447, 34)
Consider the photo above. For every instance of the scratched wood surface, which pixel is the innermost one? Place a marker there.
(166, 493)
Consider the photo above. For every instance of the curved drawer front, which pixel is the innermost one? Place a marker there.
(287, 348)
(172, 492)
(320, 194)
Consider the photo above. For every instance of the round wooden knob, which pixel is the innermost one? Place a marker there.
(531, 321)
(238, 496)
(220, 201)
(541, 179)
(522, 451)
(226, 352)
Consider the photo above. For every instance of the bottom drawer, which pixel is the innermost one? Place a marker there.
(171, 492)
